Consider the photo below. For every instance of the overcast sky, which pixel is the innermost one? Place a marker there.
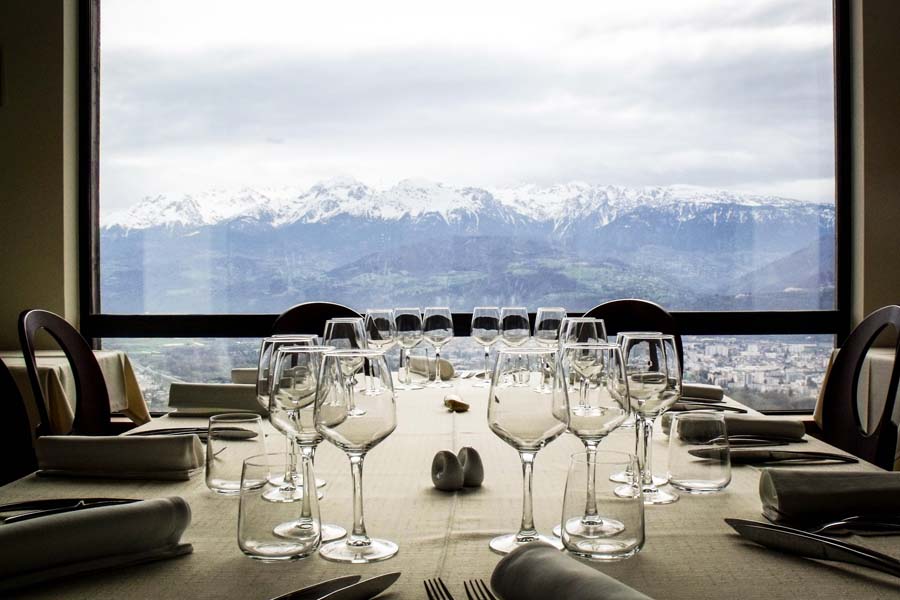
(202, 94)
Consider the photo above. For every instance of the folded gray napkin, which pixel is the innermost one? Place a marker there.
(538, 571)
(424, 366)
(205, 399)
(702, 391)
(737, 424)
(245, 375)
(122, 457)
(92, 539)
(818, 496)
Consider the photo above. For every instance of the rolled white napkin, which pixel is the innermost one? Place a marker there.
(424, 366)
(818, 496)
(92, 539)
(129, 457)
(245, 375)
(538, 571)
(205, 399)
(737, 424)
(702, 391)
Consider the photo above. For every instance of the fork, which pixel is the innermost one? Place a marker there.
(436, 590)
(477, 589)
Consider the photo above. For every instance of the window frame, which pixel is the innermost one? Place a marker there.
(96, 325)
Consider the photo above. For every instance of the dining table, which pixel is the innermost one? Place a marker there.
(58, 384)
(690, 552)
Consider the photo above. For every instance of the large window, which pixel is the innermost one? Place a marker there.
(401, 153)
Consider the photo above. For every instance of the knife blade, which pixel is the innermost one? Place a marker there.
(364, 590)
(318, 590)
(48, 503)
(689, 406)
(810, 545)
(64, 509)
(758, 440)
(755, 456)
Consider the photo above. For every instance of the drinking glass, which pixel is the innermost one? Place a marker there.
(292, 405)
(699, 456)
(348, 333)
(381, 330)
(356, 434)
(409, 335)
(486, 333)
(654, 384)
(258, 537)
(231, 438)
(437, 329)
(546, 325)
(288, 479)
(527, 418)
(514, 327)
(602, 407)
(619, 534)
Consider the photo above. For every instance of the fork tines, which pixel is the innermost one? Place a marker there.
(477, 589)
(436, 590)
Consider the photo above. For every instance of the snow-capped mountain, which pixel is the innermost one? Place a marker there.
(415, 199)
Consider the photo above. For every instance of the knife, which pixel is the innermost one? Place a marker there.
(810, 545)
(323, 588)
(753, 456)
(48, 503)
(64, 509)
(687, 406)
(758, 440)
(364, 590)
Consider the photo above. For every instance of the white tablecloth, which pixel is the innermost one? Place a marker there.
(690, 552)
(58, 384)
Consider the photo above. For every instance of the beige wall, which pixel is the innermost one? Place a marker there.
(38, 171)
(876, 175)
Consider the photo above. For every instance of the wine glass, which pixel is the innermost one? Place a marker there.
(288, 481)
(355, 434)
(604, 406)
(486, 333)
(581, 330)
(437, 329)
(547, 324)
(654, 384)
(381, 330)
(348, 333)
(527, 418)
(409, 335)
(291, 410)
(514, 326)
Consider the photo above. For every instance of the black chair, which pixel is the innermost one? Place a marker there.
(92, 414)
(632, 314)
(841, 422)
(15, 431)
(310, 317)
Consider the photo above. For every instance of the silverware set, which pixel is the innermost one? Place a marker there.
(476, 589)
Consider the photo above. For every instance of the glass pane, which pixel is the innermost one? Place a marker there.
(403, 153)
(769, 372)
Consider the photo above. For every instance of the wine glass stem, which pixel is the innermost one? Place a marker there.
(404, 358)
(487, 361)
(527, 529)
(437, 365)
(358, 536)
(290, 471)
(590, 505)
(309, 481)
(646, 424)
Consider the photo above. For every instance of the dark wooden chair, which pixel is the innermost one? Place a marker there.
(92, 414)
(841, 421)
(632, 314)
(15, 431)
(310, 317)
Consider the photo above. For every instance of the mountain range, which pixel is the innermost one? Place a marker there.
(426, 243)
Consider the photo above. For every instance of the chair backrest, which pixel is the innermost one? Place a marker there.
(15, 431)
(841, 421)
(91, 396)
(632, 314)
(310, 317)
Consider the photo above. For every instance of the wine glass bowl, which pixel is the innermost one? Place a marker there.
(514, 326)
(547, 324)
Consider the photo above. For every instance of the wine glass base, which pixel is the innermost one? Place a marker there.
(332, 532)
(345, 552)
(284, 493)
(591, 527)
(298, 530)
(654, 496)
(356, 412)
(439, 385)
(626, 477)
(505, 544)
(408, 386)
